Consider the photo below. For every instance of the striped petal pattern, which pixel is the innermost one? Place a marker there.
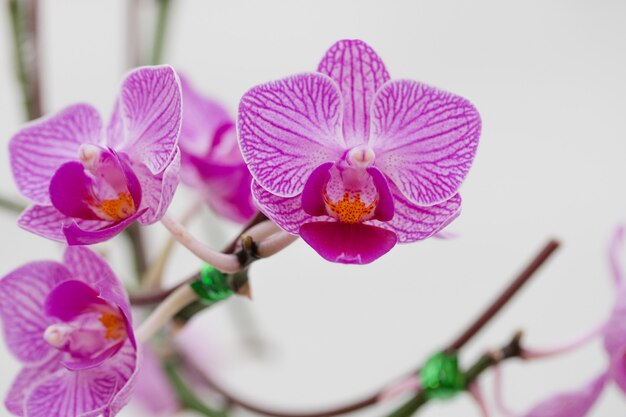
(359, 72)
(22, 296)
(425, 139)
(41, 147)
(149, 116)
(287, 128)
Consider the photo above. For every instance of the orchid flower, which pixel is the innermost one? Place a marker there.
(210, 158)
(70, 324)
(353, 162)
(89, 183)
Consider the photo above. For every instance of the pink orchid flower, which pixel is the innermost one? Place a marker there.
(89, 183)
(70, 324)
(353, 162)
(211, 161)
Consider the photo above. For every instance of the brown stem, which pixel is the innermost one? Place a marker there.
(505, 296)
(511, 350)
(135, 237)
(32, 23)
(153, 297)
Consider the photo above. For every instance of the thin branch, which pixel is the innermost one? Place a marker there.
(154, 297)
(160, 30)
(135, 238)
(510, 350)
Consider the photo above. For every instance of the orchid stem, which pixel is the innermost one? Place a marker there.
(161, 28)
(135, 237)
(23, 17)
(224, 262)
(569, 346)
(178, 300)
(10, 205)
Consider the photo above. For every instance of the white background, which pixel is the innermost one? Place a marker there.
(549, 79)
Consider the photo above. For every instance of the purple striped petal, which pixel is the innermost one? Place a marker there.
(411, 223)
(42, 146)
(44, 221)
(29, 377)
(157, 190)
(71, 299)
(72, 394)
(149, 116)
(424, 139)
(87, 232)
(359, 72)
(289, 127)
(571, 404)
(22, 296)
(287, 213)
(348, 243)
(125, 366)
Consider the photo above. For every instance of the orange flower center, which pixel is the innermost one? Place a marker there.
(120, 208)
(114, 325)
(350, 210)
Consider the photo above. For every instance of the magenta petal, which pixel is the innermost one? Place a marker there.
(70, 188)
(425, 139)
(615, 339)
(287, 213)
(571, 404)
(71, 299)
(71, 394)
(617, 254)
(384, 209)
(348, 243)
(313, 192)
(411, 223)
(153, 390)
(22, 296)
(89, 363)
(125, 365)
(359, 72)
(44, 221)
(29, 376)
(149, 116)
(289, 127)
(202, 118)
(90, 233)
(42, 146)
(157, 190)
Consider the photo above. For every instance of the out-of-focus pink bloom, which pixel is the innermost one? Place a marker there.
(211, 161)
(70, 324)
(353, 162)
(153, 391)
(90, 182)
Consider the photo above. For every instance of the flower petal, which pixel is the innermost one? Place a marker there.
(287, 213)
(44, 221)
(617, 254)
(70, 189)
(615, 338)
(150, 115)
(571, 404)
(29, 377)
(72, 394)
(125, 366)
(153, 390)
(359, 72)
(425, 139)
(22, 296)
(202, 119)
(411, 223)
(385, 208)
(87, 232)
(348, 243)
(312, 194)
(157, 190)
(42, 146)
(287, 128)
(70, 299)
(91, 268)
